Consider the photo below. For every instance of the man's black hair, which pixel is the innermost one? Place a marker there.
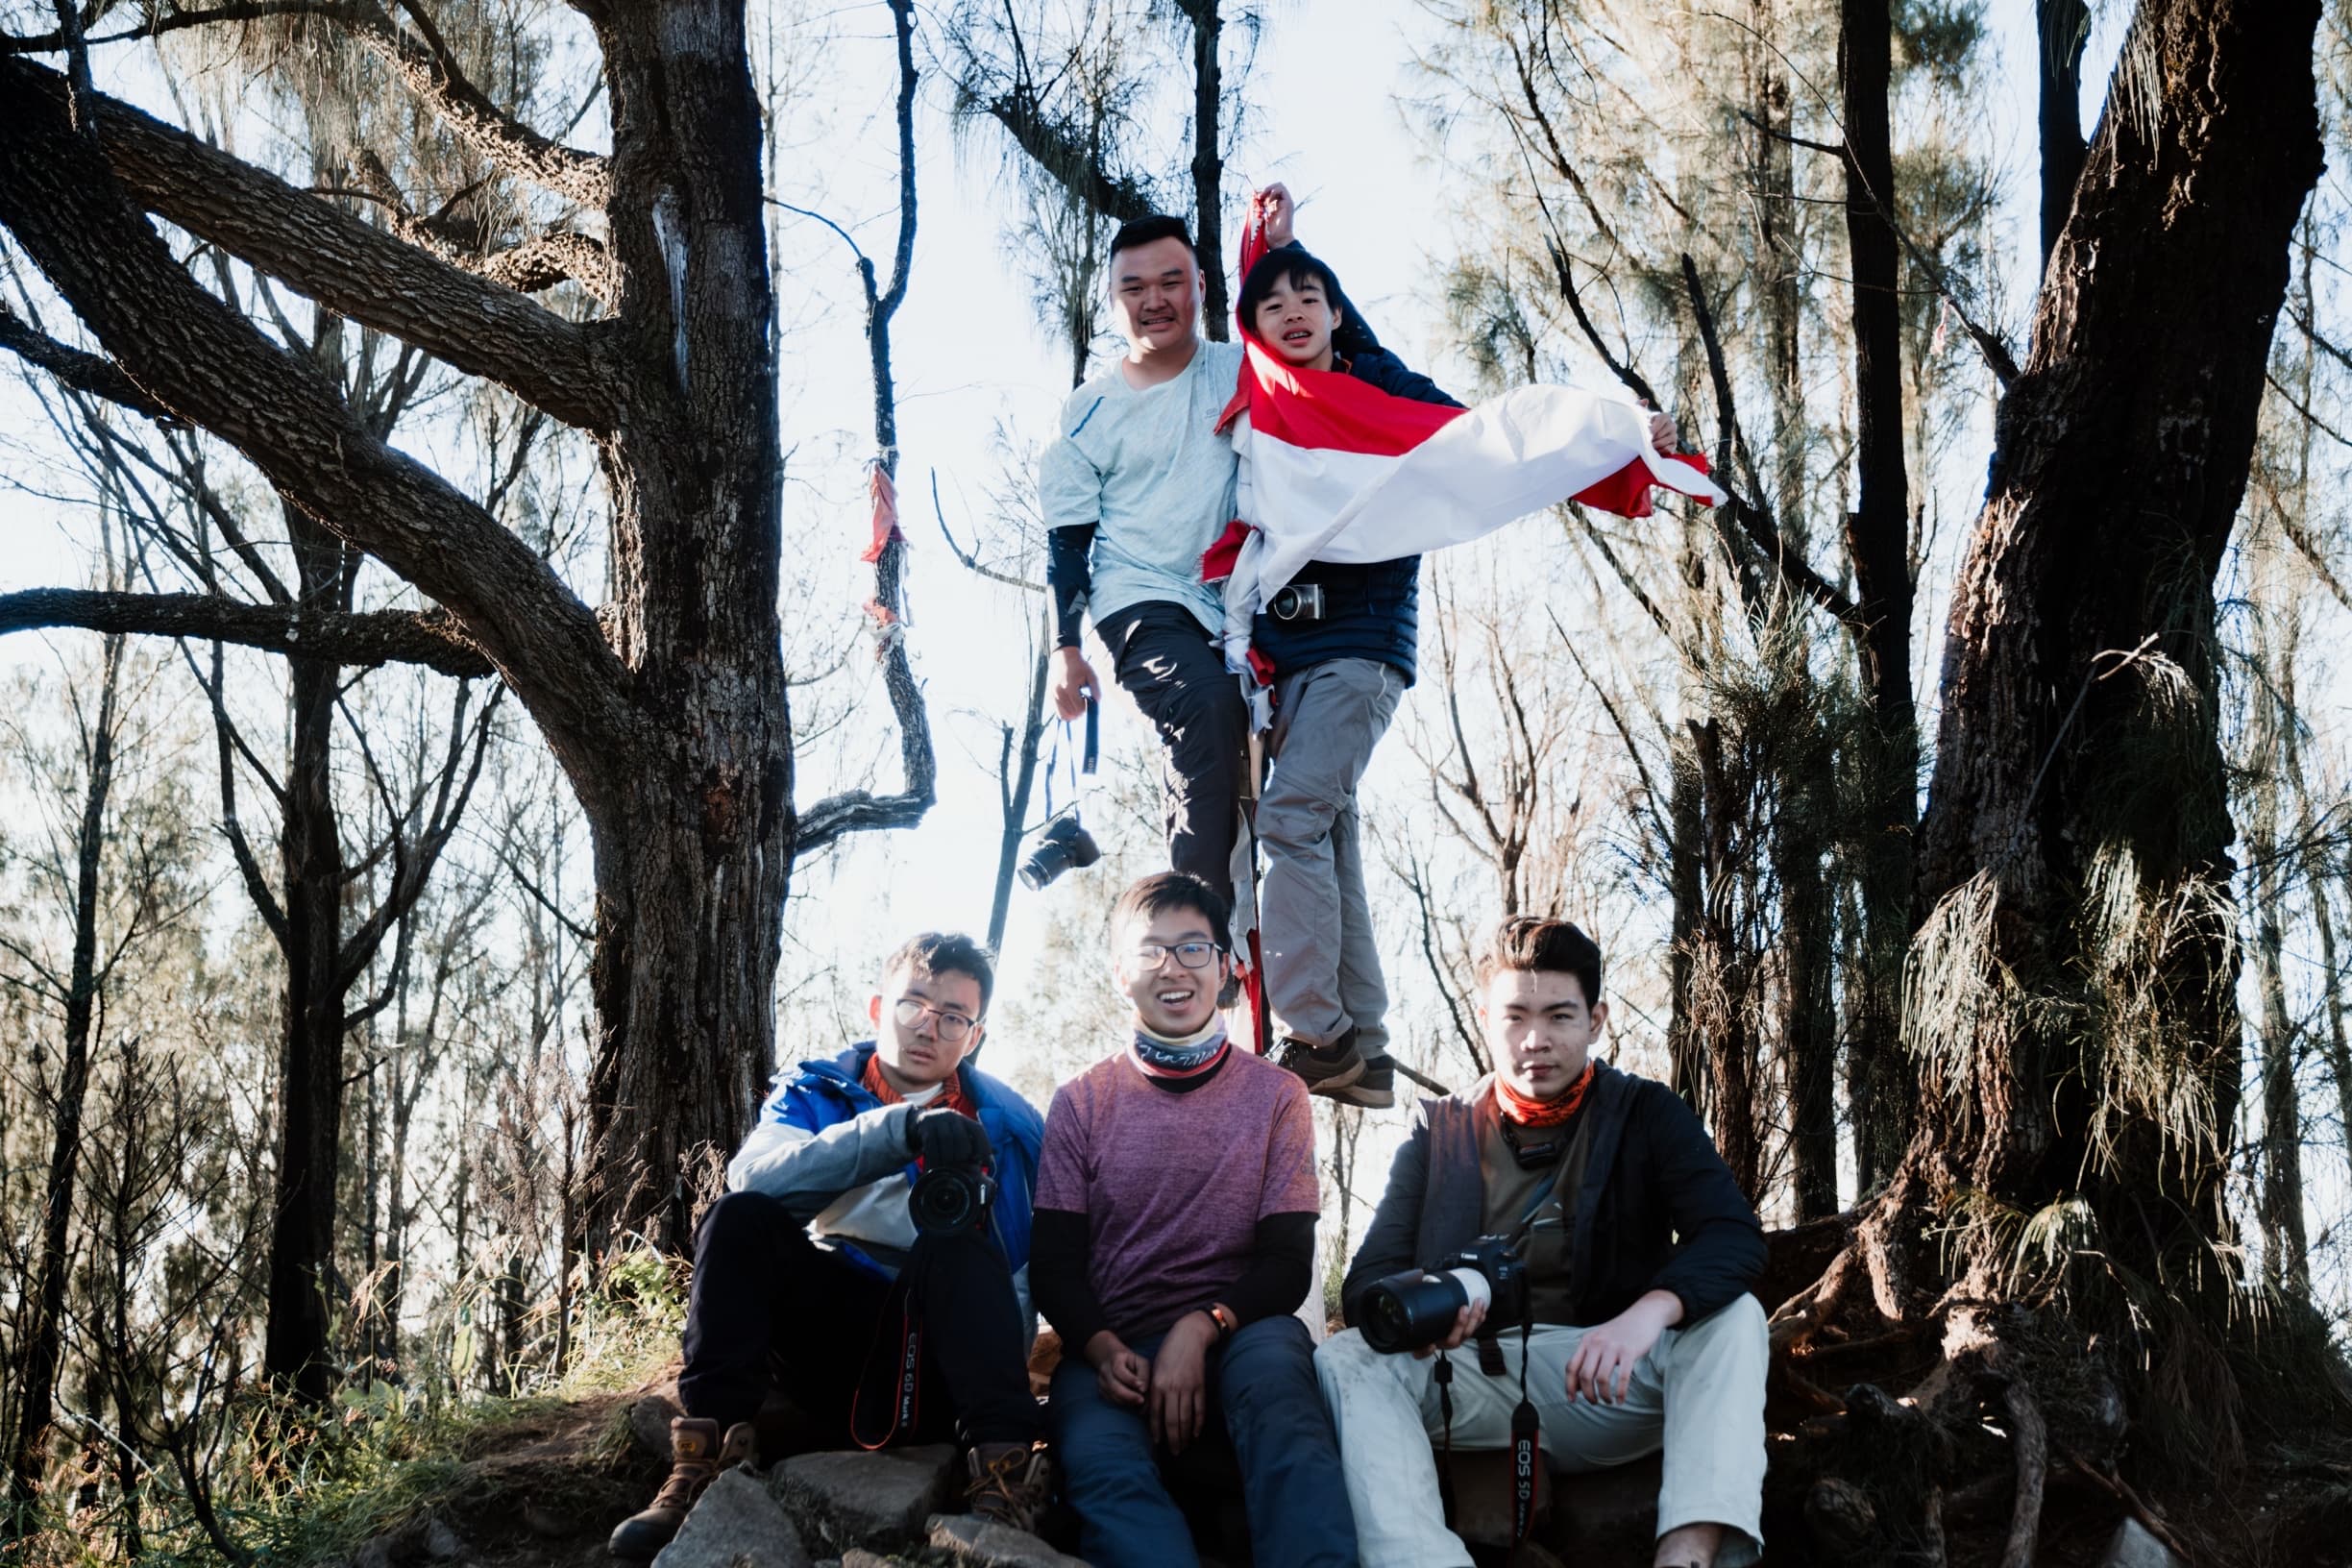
(1166, 891)
(1151, 231)
(1288, 265)
(935, 953)
(1537, 944)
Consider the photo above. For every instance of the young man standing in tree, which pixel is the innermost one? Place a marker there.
(1340, 640)
(1639, 1252)
(1175, 1239)
(814, 1255)
(1137, 486)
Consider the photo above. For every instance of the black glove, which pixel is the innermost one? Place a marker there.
(947, 1138)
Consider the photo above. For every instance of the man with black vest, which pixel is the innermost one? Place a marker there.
(1639, 1252)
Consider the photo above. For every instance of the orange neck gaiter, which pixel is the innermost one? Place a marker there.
(953, 1096)
(1550, 1113)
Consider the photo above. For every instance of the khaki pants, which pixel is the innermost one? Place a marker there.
(1698, 1394)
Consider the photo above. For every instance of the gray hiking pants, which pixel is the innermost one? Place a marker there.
(1322, 972)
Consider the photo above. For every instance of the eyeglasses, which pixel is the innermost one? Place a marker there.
(1147, 956)
(909, 1011)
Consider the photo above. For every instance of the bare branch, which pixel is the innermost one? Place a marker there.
(202, 359)
(365, 637)
(83, 372)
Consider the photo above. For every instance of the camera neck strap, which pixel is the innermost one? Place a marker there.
(897, 1377)
(1083, 761)
(1526, 1428)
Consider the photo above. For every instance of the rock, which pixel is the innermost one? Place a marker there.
(442, 1543)
(2133, 1547)
(648, 1422)
(984, 1543)
(1601, 1515)
(857, 1557)
(1843, 1522)
(735, 1524)
(879, 1501)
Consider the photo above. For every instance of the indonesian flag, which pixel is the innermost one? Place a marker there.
(1334, 469)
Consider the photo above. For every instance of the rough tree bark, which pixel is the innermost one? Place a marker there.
(667, 706)
(2079, 814)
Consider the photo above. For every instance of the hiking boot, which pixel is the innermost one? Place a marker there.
(1011, 1483)
(1325, 1069)
(696, 1455)
(1375, 1090)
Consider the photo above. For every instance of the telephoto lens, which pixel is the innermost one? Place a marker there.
(1418, 1307)
(950, 1198)
(1062, 844)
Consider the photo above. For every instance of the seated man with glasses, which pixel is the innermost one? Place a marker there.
(814, 1275)
(1175, 1237)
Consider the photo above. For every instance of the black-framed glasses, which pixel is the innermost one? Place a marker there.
(1146, 956)
(951, 1027)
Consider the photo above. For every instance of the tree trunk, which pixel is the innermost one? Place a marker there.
(2065, 28)
(2076, 844)
(42, 1349)
(691, 872)
(1017, 783)
(1209, 165)
(1879, 544)
(1808, 940)
(311, 1045)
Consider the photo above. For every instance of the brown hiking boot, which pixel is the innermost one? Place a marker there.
(1011, 1483)
(696, 1455)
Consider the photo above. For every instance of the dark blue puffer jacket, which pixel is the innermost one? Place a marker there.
(1369, 611)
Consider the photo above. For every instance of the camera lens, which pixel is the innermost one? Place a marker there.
(948, 1199)
(1063, 843)
(1407, 1310)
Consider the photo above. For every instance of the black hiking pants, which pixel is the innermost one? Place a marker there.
(773, 1309)
(1166, 662)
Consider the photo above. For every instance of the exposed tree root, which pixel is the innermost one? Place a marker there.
(2029, 1434)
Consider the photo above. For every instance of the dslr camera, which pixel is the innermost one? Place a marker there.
(1063, 843)
(1417, 1307)
(949, 1199)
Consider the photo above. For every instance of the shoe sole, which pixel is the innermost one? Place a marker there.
(1370, 1096)
(1338, 1079)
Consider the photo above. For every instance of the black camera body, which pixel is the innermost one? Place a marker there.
(1062, 844)
(1417, 1307)
(949, 1199)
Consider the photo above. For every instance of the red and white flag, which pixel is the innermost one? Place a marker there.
(1334, 469)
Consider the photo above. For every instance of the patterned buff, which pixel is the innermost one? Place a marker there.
(953, 1096)
(1186, 1058)
(1551, 1113)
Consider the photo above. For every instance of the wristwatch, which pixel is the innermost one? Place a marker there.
(1223, 1316)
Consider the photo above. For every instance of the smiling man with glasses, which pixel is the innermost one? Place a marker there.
(1175, 1239)
(813, 1275)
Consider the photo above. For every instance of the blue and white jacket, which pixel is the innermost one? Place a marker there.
(837, 1156)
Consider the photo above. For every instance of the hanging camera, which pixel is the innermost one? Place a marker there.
(1063, 843)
